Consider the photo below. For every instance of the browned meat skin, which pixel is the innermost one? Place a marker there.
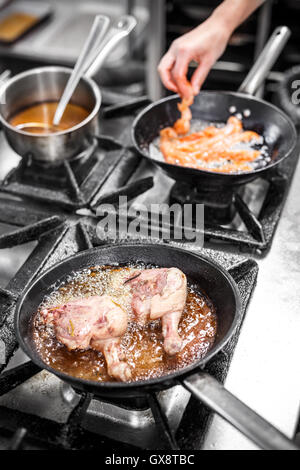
(161, 293)
(96, 322)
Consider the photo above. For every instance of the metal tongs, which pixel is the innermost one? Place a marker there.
(94, 52)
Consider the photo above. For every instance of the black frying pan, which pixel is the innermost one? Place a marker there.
(213, 280)
(277, 129)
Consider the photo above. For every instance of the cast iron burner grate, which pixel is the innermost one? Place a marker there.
(71, 184)
(57, 239)
(250, 232)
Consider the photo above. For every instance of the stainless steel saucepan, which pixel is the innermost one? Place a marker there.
(46, 84)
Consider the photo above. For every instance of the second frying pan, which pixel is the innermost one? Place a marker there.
(212, 279)
(277, 129)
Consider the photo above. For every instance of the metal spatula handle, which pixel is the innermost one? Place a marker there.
(98, 30)
(266, 60)
(119, 30)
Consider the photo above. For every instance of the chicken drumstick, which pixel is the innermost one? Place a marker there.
(160, 293)
(97, 322)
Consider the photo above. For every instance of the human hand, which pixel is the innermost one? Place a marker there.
(204, 44)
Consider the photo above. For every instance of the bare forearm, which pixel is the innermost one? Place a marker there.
(231, 13)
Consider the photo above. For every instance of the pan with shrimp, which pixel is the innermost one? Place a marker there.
(127, 320)
(218, 139)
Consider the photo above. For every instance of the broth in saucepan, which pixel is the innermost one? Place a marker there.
(37, 119)
(142, 345)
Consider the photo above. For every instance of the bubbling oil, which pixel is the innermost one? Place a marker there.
(142, 345)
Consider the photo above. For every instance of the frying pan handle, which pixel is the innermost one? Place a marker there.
(266, 60)
(211, 392)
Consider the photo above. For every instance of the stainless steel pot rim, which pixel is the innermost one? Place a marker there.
(52, 68)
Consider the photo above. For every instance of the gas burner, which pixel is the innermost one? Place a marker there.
(57, 176)
(70, 184)
(134, 419)
(219, 205)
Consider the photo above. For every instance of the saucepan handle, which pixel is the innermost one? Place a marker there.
(266, 60)
(4, 77)
(212, 393)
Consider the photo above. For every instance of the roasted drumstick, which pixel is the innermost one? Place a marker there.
(160, 293)
(95, 322)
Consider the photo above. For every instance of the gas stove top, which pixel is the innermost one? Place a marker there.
(52, 213)
(246, 218)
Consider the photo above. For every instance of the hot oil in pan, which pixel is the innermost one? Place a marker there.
(198, 125)
(143, 345)
(37, 119)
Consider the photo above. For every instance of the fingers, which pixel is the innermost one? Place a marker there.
(173, 72)
(165, 71)
(200, 75)
(179, 73)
